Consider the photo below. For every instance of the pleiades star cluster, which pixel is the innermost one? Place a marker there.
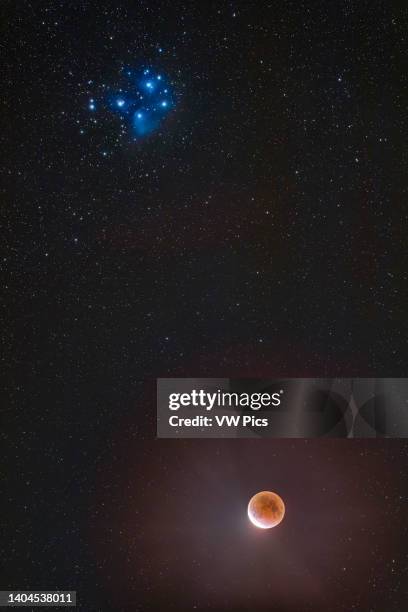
(240, 210)
(141, 102)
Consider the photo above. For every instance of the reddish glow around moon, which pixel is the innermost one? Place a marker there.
(266, 510)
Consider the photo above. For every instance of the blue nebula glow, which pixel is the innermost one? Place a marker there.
(141, 104)
(144, 123)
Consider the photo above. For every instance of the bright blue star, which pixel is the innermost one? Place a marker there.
(120, 102)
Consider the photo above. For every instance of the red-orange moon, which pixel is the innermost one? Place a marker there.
(266, 509)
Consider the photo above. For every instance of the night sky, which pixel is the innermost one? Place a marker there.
(252, 225)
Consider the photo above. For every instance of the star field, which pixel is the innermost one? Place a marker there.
(237, 210)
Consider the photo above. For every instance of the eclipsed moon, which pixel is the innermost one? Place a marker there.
(266, 509)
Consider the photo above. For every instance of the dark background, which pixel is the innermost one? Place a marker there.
(261, 231)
